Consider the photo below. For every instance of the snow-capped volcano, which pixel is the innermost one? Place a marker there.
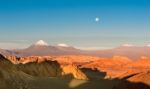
(41, 43)
(41, 48)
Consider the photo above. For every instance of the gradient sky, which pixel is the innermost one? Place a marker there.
(23, 22)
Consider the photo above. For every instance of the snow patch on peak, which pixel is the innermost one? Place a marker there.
(128, 45)
(41, 42)
(63, 45)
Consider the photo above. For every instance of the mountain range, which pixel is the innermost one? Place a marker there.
(41, 48)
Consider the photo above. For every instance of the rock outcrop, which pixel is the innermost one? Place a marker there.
(74, 71)
(45, 67)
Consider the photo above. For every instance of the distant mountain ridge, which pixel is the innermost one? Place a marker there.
(42, 48)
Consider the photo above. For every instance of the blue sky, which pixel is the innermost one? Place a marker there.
(23, 22)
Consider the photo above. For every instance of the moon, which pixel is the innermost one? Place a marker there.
(97, 19)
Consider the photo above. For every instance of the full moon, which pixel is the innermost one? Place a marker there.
(97, 19)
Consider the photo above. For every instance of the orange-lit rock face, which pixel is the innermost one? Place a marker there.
(74, 71)
(61, 59)
(115, 62)
(117, 66)
(141, 77)
(68, 69)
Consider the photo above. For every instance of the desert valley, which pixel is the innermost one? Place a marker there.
(74, 44)
(42, 66)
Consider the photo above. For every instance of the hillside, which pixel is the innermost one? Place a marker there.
(48, 74)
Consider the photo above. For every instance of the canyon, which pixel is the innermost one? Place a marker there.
(41, 66)
(77, 71)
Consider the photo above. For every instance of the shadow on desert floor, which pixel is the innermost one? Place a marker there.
(97, 81)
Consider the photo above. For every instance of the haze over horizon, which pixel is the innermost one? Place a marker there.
(87, 24)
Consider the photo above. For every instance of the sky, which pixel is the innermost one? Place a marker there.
(86, 24)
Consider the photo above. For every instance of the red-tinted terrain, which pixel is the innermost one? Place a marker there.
(41, 66)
